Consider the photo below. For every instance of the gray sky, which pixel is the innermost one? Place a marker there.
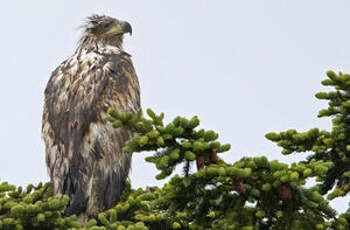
(244, 67)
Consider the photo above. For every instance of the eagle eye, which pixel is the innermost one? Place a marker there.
(107, 24)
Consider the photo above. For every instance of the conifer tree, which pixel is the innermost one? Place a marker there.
(252, 193)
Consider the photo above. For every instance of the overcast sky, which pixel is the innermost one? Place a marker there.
(244, 67)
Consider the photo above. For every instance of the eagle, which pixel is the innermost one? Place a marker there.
(83, 151)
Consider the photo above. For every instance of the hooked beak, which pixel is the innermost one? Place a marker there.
(126, 28)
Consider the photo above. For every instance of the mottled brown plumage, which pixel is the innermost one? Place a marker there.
(83, 152)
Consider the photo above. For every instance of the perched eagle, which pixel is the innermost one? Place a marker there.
(83, 152)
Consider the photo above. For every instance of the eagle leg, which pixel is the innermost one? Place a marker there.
(78, 204)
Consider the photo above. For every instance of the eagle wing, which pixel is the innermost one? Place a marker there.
(83, 152)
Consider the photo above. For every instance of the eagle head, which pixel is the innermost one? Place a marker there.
(104, 30)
